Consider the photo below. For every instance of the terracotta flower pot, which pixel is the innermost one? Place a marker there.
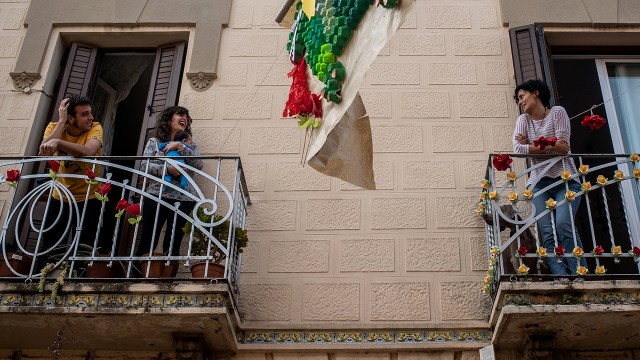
(19, 263)
(159, 268)
(100, 269)
(214, 271)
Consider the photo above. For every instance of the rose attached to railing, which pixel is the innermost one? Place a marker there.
(54, 167)
(597, 251)
(635, 252)
(133, 211)
(502, 162)
(102, 192)
(90, 177)
(12, 177)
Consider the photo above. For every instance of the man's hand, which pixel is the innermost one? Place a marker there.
(62, 111)
(49, 148)
(521, 139)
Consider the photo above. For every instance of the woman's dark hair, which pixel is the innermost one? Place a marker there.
(532, 86)
(163, 122)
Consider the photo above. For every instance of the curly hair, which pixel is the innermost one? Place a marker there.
(544, 94)
(163, 122)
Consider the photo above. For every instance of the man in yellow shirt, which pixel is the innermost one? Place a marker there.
(74, 134)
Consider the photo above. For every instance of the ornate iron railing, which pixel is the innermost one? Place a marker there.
(606, 220)
(43, 225)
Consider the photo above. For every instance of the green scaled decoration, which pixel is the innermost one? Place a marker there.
(322, 38)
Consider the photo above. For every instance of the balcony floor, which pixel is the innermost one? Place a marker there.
(118, 317)
(583, 316)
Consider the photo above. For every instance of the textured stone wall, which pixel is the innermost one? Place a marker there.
(324, 252)
(16, 109)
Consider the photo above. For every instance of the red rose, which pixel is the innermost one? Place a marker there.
(594, 122)
(90, 174)
(559, 250)
(522, 250)
(13, 175)
(598, 250)
(133, 209)
(635, 251)
(55, 165)
(104, 189)
(502, 162)
(543, 142)
(122, 205)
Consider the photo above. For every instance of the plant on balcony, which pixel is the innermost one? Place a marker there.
(200, 244)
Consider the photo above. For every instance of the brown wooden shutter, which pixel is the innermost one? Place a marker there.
(78, 73)
(164, 88)
(531, 59)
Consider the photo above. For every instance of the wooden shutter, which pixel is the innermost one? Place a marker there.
(164, 88)
(531, 59)
(78, 73)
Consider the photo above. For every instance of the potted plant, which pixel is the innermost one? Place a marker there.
(17, 261)
(200, 245)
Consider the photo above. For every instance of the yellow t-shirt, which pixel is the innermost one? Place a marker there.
(78, 187)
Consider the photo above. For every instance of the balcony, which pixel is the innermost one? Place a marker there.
(585, 308)
(65, 268)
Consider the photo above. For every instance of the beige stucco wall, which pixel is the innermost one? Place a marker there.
(324, 254)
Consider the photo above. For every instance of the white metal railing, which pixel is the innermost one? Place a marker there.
(45, 231)
(606, 220)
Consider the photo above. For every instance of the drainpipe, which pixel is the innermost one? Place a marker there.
(284, 10)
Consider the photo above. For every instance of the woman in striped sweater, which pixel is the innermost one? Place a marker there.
(538, 120)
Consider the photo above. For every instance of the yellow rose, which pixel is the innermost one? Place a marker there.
(493, 195)
(495, 250)
(513, 197)
(523, 269)
(601, 180)
(577, 251)
(581, 270)
(583, 169)
(490, 272)
(485, 183)
(528, 194)
(492, 261)
(541, 252)
(565, 175)
(487, 279)
(586, 186)
(479, 212)
(511, 176)
(636, 173)
(619, 175)
(550, 203)
(600, 270)
(570, 195)
(485, 289)
(616, 250)
(634, 157)
(483, 196)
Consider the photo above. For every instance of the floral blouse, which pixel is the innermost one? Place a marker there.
(156, 168)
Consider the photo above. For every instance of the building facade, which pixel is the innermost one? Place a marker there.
(333, 271)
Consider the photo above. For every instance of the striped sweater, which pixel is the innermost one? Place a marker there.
(557, 124)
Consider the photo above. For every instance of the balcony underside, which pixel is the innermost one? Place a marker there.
(581, 316)
(118, 317)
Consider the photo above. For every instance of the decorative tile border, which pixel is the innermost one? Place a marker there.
(115, 301)
(571, 298)
(363, 337)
